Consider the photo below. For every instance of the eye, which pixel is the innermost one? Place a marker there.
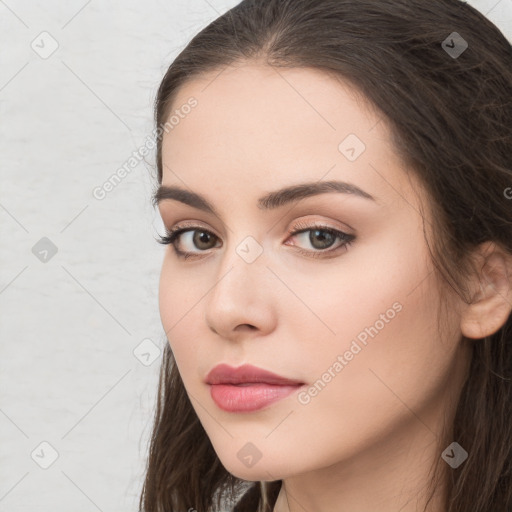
(194, 236)
(320, 237)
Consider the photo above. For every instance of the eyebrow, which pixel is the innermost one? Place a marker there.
(270, 201)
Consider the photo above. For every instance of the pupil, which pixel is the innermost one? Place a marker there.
(201, 237)
(323, 244)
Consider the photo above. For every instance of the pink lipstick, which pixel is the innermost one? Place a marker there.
(247, 388)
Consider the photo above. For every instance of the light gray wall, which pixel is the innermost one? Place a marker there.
(71, 321)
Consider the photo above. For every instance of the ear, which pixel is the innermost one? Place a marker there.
(491, 301)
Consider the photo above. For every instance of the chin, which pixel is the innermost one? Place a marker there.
(266, 469)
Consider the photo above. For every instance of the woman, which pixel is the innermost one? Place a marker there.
(335, 182)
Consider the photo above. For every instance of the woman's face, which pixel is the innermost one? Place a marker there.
(355, 322)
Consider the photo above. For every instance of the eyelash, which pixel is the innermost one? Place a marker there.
(172, 236)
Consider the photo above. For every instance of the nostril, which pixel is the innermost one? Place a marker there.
(246, 327)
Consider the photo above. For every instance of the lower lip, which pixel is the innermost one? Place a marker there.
(249, 397)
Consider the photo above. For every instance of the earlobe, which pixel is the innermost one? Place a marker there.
(491, 303)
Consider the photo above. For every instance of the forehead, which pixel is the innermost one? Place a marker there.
(255, 125)
(264, 102)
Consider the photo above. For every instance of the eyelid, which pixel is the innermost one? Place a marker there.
(320, 224)
(191, 224)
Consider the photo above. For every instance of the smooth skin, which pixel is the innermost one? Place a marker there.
(367, 439)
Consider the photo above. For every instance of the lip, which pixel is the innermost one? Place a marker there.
(246, 374)
(247, 388)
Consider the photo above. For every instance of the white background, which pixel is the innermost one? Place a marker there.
(69, 326)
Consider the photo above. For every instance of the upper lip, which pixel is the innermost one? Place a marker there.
(225, 374)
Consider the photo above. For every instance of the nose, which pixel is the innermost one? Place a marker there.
(242, 299)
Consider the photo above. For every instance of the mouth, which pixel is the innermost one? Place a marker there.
(248, 388)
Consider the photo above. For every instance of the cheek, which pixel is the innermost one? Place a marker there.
(375, 283)
(180, 292)
(181, 305)
(176, 303)
(383, 317)
(394, 377)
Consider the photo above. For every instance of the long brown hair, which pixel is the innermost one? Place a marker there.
(451, 121)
